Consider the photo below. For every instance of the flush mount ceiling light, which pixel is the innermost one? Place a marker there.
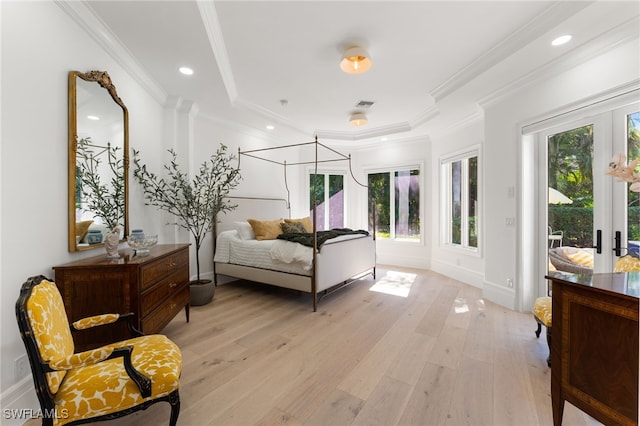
(358, 119)
(355, 61)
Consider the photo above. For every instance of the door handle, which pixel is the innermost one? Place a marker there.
(598, 245)
(618, 249)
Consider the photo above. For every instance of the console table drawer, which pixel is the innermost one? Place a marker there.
(165, 288)
(164, 313)
(150, 273)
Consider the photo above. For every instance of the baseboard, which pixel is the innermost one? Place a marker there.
(467, 276)
(19, 403)
(500, 295)
(405, 261)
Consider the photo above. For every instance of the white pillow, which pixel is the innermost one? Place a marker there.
(245, 231)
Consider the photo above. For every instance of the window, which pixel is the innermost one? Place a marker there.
(459, 200)
(396, 196)
(328, 190)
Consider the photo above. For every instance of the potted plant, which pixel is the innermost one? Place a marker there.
(195, 203)
(105, 200)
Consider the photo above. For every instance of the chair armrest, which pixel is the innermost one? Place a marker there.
(104, 353)
(106, 319)
(82, 359)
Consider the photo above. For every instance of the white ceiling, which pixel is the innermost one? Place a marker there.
(433, 61)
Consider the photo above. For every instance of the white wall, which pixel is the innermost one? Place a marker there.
(40, 45)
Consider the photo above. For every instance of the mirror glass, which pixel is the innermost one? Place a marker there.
(98, 160)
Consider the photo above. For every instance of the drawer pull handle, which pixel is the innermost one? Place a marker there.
(173, 285)
(171, 264)
(173, 305)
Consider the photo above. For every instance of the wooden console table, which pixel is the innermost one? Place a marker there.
(594, 345)
(154, 287)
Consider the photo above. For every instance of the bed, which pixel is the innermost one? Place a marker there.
(244, 251)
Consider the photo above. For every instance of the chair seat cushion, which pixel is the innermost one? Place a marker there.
(542, 310)
(106, 388)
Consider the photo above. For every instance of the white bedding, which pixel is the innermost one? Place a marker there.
(278, 255)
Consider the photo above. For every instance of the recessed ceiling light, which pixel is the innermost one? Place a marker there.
(93, 117)
(186, 70)
(558, 41)
(270, 127)
(384, 139)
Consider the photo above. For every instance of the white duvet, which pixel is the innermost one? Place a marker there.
(279, 255)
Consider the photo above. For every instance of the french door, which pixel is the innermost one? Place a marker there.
(593, 217)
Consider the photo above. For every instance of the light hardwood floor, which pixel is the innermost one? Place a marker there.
(442, 355)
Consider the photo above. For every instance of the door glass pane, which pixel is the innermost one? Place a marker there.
(570, 199)
(336, 201)
(316, 192)
(633, 213)
(379, 190)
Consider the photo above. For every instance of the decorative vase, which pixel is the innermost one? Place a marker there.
(111, 241)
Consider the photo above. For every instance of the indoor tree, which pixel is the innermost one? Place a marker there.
(195, 203)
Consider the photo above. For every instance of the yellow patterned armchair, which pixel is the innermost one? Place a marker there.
(99, 384)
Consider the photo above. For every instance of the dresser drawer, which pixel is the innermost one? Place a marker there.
(162, 315)
(150, 273)
(163, 289)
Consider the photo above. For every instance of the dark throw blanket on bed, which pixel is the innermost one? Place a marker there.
(306, 239)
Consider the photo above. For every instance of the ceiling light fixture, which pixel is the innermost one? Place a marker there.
(358, 119)
(186, 70)
(558, 41)
(355, 61)
(270, 127)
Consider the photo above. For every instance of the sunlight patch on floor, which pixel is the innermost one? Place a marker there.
(395, 283)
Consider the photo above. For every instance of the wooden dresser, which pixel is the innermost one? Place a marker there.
(594, 345)
(154, 287)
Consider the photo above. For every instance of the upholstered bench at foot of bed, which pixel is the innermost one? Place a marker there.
(542, 315)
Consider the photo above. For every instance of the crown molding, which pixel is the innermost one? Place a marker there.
(529, 32)
(588, 50)
(99, 32)
(216, 41)
(364, 134)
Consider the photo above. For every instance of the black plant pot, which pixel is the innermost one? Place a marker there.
(201, 292)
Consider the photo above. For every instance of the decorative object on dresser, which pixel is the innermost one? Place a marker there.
(594, 345)
(101, 384)
(194, 203)
(154, 287)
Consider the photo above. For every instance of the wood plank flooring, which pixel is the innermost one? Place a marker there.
(258, 355)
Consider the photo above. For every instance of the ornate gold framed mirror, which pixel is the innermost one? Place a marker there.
(98, 160)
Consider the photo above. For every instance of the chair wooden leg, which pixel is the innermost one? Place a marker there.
(174, 400)
(539, 330)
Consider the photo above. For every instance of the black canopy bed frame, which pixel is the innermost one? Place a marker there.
(333, 266)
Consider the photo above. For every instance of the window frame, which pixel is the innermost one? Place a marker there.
(446, 211)
(400, 167)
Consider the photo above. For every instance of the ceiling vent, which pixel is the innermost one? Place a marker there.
(364, 104)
